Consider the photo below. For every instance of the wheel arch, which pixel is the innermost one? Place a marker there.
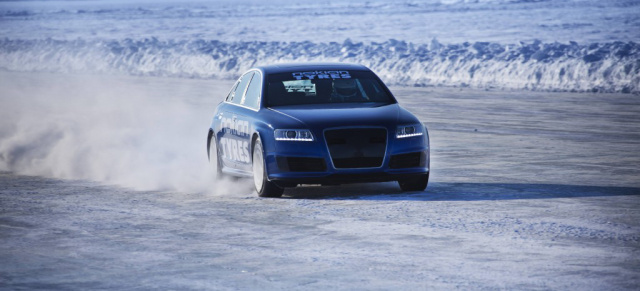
(263, 131)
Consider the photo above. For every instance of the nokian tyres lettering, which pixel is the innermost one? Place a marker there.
(234, 144)
(321, 75)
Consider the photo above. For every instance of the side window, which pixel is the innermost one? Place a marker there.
(233, 90)
(236, 96)
(252, 98)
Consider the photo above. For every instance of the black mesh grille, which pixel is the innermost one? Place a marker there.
(362, 162)
(357, 147)
(294, 164)
(410, 160)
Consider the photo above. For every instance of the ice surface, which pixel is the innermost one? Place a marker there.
(528, 190)
(502, 21)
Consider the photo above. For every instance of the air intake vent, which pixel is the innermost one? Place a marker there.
(410, 160)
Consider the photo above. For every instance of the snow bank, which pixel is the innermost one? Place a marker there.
(597, 67)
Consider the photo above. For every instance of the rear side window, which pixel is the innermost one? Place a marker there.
(252, 98)
(233, 91)
(237, 94)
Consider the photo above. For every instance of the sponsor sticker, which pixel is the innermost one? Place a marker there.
(235, 145)
(235, 127)
(235, 150)
(321, 75)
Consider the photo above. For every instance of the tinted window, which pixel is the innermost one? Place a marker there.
(318, 87)
(233, 90)
(236, 96)
(252, 97)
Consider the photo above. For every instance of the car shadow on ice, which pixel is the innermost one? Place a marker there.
(442, 191)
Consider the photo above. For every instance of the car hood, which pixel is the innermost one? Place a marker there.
(345, 114)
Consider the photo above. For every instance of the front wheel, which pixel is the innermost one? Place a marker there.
(417, 183)
(264, 187)
(214, 161)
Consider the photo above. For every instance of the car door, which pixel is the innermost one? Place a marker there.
(246, 118)
(234, 135)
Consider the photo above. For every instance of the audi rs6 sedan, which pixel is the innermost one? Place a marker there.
(321, 123)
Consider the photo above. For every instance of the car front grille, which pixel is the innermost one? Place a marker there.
(356, 147)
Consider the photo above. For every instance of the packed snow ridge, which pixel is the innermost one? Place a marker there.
(596, 67)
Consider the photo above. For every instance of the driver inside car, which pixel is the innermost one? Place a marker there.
(345, 90)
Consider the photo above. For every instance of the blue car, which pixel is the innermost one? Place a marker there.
(327, 123)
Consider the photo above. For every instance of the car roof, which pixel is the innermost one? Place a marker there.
(289, 67)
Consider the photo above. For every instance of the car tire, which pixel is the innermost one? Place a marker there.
(214, 159)
(264, 187)
(418, 183)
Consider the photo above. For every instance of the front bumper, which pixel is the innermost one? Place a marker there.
(295, 162)
(305, 169)
(345, 178)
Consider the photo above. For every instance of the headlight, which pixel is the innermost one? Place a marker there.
(293, 135)
(409, 131)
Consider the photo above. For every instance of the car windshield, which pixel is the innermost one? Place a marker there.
(321, 87)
